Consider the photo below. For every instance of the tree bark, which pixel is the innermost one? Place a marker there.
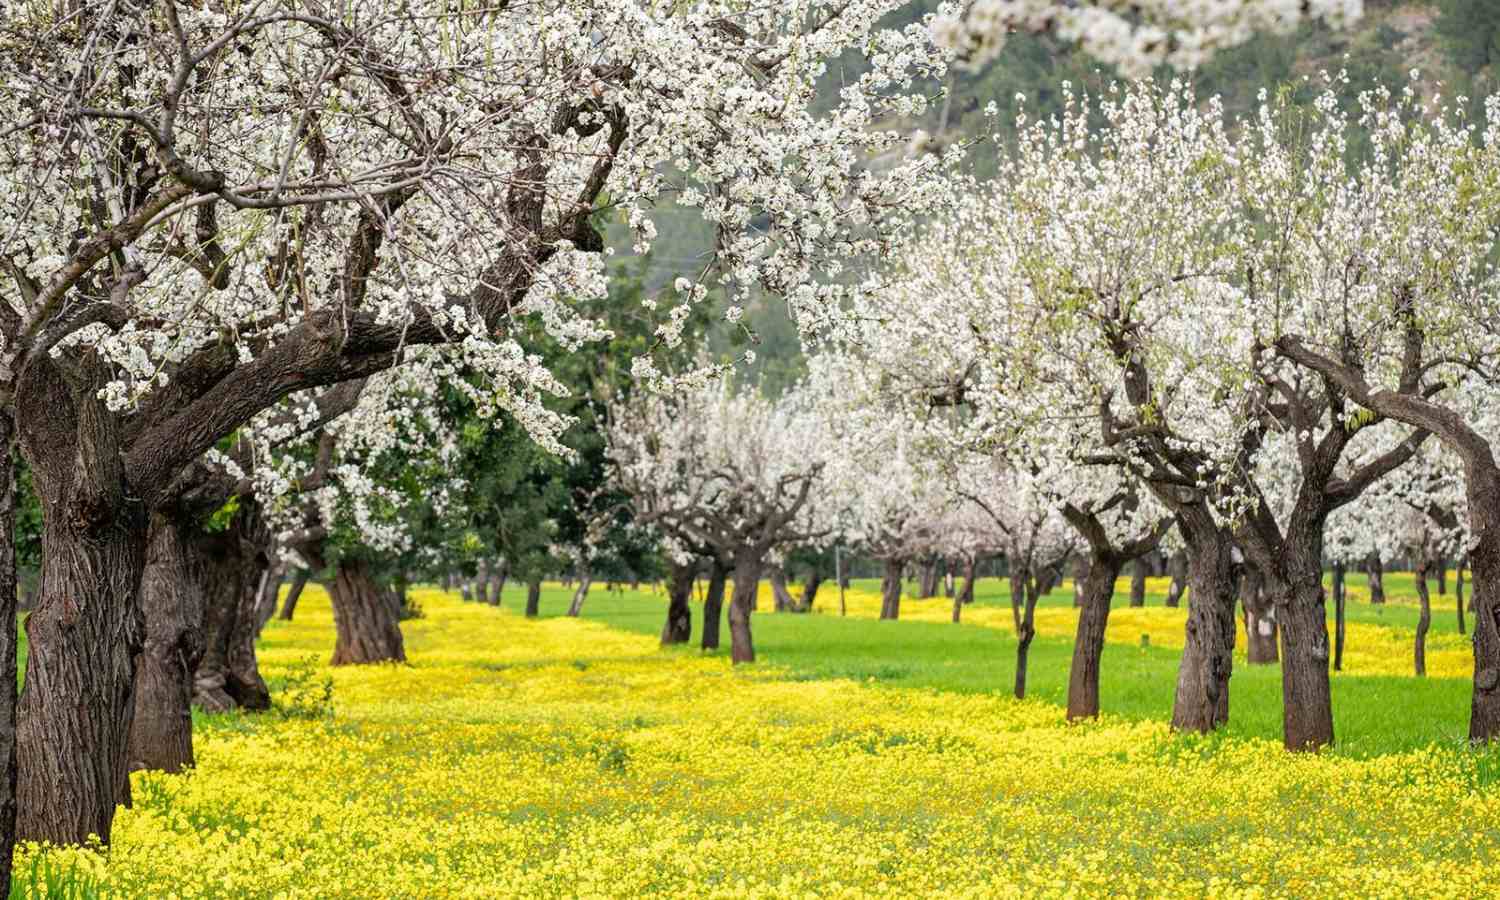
(245, 683)
(482, 582)
(1080, 575)
(1306, 695)
(533, 598)
(1442, 576)
(966, 593)
(1088, 644)
(713, 605)
(679, 625)
(890, 589)
(783, 597)
(161, 735)
(367, 631)
(293, 594)
(747, 569)
(1260, 619)
(580, 593)
(1424, 618)
(1017, 581)
(928, 581)
(1201, 702)
(1338, 616)
(1376, 572)
(1138, 572)
(497, 582)
(809, 590)
(1025, 633)
(8, 642)
(87, 628)
(219, 589)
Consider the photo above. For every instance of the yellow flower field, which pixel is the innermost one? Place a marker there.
(559, 758)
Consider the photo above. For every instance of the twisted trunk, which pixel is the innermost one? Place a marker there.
(747, 570)
(497, 582)
(1260, 619)
(366, 626)
(783, 597)
(1177, 569)
(161, 735)
(533, 598)
(1088, 644)
(713, 605)
(809, 590)
(1424, 618)
(8, 641)
(1201, 702)
(580, 593)
(482, 582)
(87, 629)
(219, 584)
(890, 589)
(679, 626)
(1024, 635)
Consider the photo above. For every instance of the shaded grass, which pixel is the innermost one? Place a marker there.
(1373, 714)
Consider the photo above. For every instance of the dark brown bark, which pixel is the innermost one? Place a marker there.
(1080, 575)
(497, 581)
(581, 593)
(747, 569)
(1260, 619)
(1424, 618)
(810, 587)
(533, 598)
(270, 589)
(928, 578)
(1088, 644)
(75, 711)
(679, 625)
(1138, 572)
(1306, 696)
(293, 594)
(161, 735)
(482, 583)
(713, 605)
(219, 572)
(1177, 570)
(1201, 702)
(1442, 577)
(1025, 634)
(890, 589)
(1375, 570)
(1338, 616)
(366, 627)
(1017, 595)
(8, 642)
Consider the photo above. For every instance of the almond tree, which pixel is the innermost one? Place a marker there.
(207, 207)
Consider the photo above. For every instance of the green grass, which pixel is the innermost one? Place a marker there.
(1372, 715)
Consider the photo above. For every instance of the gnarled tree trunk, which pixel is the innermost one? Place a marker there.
(1424, 618)
(161, 735)
(784, 600)
(1088, 645)
(580, 593)
(890, 589)
(1138, 572)
(1080, 575)
(928, 580)
(8, 642)
(1376, 572)
(1338, 617)
(679, 625)
(293, 594)
(533, 598)
(1024, 635)
(1177, 568)
(1201, 702)
(366, 627)
(713, 605)
(497, 581)
(747, 569)
(810, 587)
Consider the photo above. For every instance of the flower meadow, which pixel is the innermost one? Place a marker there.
(559, 757)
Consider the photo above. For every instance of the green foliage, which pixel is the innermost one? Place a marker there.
(1469, 31)
(43, 875)
(220, 519)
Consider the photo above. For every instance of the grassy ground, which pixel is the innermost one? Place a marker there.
(1378, 710)
(565, 758)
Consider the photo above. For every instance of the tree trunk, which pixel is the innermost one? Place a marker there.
(219, 576)
(466, 592)
(810, 587)
(1201, 702)
(1484, 571)
(1025, 633)
(890, 589)
(1260, 619)
(293, 594)
(1442, 577)
(949, 586)
(927, 584)
(161, 735)
(1376, 572)
(367, 631)
(966, 593)
(244, 683)
(482, 582)
(783, 597)
(497, 581)
(1306, 695)
(1338, 617)
(1458, 593)
(8, 641)
(87, 628)
(1088, 645)
(1177, 568)
(1138, 572)
(1017, 581)
(580, 594)
(533, 598)
(747, 568)
(679, 626)
(713, 605)
(1424, 618)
